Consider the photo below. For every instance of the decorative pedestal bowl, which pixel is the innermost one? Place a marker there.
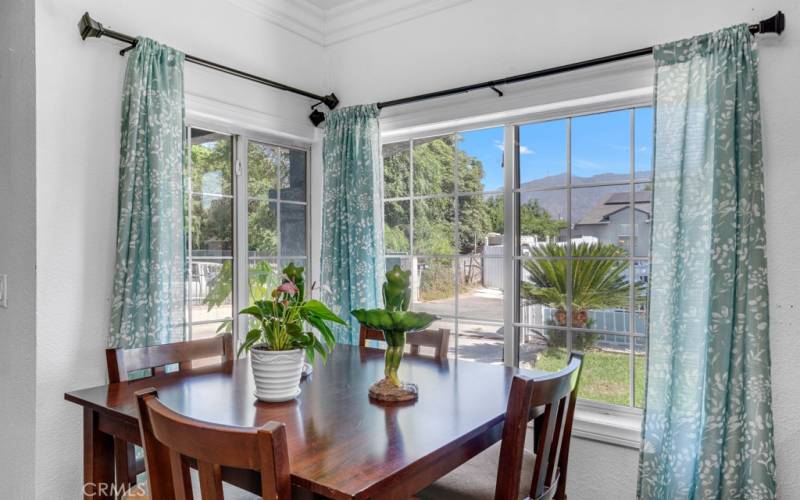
(385, 390)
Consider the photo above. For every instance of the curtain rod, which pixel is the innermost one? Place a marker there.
(774, 24)
(90, 27)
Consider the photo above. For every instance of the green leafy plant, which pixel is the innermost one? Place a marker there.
(598, 282)
(395, 320)
(282, 318)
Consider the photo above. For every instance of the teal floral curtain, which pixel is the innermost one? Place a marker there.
(149, 285)
(708, 423)
(352, 220)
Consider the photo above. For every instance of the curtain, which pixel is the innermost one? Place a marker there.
(353, 264)
(708, 422)
(149, 279)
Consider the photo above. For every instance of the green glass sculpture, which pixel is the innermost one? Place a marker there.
(395, 321)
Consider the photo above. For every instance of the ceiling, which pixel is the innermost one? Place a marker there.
(329, 4)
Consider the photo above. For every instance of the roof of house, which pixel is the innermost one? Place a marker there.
(616, 202)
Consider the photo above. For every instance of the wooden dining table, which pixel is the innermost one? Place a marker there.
(342, 444)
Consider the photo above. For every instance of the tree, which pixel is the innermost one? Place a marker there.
(598, 282)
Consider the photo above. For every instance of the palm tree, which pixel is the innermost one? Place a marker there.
(598, 280)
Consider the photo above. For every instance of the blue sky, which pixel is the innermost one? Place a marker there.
(600, 144)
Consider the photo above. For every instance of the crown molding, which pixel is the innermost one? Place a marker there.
(297, 16)
(360, 17)
(350, 20)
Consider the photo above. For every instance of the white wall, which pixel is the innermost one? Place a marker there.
(78, 102)
(17, 244)
(485, 39)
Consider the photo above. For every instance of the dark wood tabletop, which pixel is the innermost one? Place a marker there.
(341, 443)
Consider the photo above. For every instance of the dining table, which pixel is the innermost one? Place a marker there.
(342, 444)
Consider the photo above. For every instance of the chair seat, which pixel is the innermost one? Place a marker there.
(476, 479)
(230, 492)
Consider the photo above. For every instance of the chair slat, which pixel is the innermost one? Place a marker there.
(439, 340)
(172, 440)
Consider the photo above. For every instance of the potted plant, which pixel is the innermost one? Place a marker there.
(280, 341)
(395, 321)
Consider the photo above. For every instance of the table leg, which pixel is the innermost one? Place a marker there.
(98, 459)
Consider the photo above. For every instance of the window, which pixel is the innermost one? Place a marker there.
(443, 219)
(579, 192)
(246, 219)
(584, 183)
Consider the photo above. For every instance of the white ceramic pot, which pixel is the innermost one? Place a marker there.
(277, 373)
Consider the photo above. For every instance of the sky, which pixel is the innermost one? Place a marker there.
(600, 144)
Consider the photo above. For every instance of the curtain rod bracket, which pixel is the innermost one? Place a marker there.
(499, 92)
(128, 49)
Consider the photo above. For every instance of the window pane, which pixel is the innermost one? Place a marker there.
(481, 288)
(606, 371)
(642, 226)
(262, 233)
(482, 342)
(640, 367)
(600, 292)
(434, 287)
(211, 162)
(542, 218)
(480, 160)
(601, 146)
(543, 288)
(396, 170)
(293, 229)
(212, 226)
(263, 277)
(293, 176)
(434, 165)
(643, 137)
(263, 164)
(602, 215)
(641, 284)
(211, 290)
(207, 331)
(397, 227)
(434, 227)
(480, 222)
(543, 155)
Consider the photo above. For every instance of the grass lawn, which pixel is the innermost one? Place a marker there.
(605, 374)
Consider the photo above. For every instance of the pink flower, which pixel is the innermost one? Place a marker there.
(288, 288)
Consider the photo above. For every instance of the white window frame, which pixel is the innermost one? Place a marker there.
(615, 424)
(240, 138)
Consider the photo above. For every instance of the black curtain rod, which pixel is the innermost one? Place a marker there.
(774, 24)
(89, 27)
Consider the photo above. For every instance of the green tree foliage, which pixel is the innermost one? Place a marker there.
(598, 282)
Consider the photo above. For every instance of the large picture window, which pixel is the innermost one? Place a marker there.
(580, 198)
(247, 212)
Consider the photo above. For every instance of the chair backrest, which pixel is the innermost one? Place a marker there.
(557, 393)
(172, 440)
(123, 361)
(439, 340)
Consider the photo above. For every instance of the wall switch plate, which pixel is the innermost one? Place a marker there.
(3, 290)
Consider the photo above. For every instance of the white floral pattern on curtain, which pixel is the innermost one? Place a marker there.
(149, 278)
(708, 421)
(353, 264)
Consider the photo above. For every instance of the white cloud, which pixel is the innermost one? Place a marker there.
(523, 150)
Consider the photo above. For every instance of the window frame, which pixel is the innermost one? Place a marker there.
(240, 138)
(595, 420)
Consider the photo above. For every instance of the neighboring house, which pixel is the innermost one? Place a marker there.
(610, 221)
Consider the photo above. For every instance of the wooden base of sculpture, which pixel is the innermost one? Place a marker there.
(385, 390)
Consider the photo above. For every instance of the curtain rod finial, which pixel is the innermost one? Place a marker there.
(89, 27)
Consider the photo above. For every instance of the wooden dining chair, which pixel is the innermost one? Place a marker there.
(172, 442)
(439, 340)
(121, 362)
(507, 471)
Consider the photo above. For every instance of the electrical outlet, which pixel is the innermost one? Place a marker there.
(3, 291)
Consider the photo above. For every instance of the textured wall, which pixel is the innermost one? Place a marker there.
(17, 245)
